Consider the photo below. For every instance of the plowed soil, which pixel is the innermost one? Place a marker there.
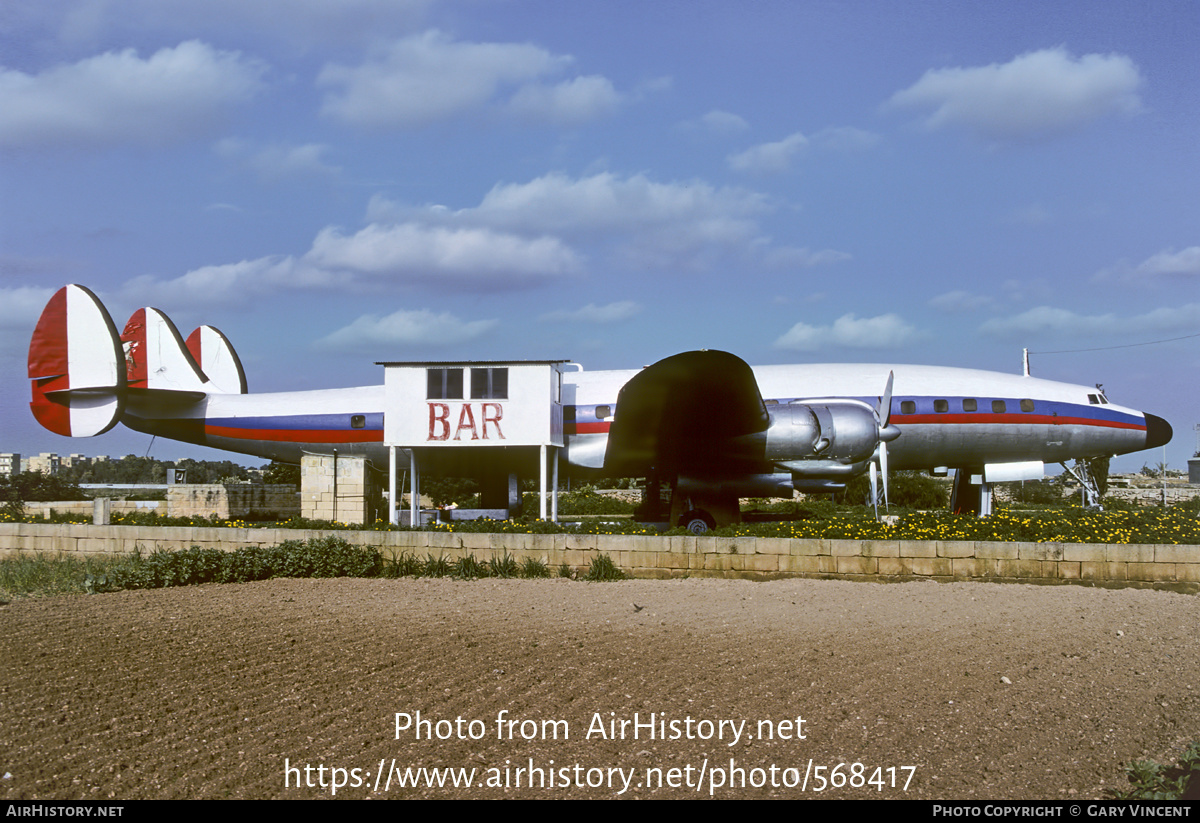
(989, 691)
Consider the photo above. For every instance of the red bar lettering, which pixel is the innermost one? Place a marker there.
(466, 420)
(439, 418)
(499, 412)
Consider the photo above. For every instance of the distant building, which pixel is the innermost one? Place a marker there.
(44, 463)
(10, 464)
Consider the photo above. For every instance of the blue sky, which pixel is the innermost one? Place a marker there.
(337, 182)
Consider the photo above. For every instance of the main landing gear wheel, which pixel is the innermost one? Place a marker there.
(697, 521)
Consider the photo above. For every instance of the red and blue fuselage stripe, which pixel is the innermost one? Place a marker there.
(299, 428)
(1045, 412)
(337, 428)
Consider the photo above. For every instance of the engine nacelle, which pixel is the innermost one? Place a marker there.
(833, 432)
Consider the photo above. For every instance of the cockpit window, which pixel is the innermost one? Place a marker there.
(1094, 399)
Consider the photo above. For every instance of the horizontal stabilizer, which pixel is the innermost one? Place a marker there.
(217, 359)
(156, 357)
(76, 367)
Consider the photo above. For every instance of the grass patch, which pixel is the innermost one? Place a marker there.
(41, 574)
(532, 568)
(504, 566)
(468, 568)
(602, 569)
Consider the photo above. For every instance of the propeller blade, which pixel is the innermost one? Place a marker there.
(883, 460)
(874, 490)
(884, 412)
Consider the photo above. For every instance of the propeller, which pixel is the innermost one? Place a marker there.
(887, 434)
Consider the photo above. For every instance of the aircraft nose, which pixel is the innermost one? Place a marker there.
(1158, 431)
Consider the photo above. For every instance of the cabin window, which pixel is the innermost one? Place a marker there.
(358, 421)
(1027, 405)
(970, 404)
(444, 384)
(941, 406)
(998, 407)
(908, 407)
(603, 412)
(489, 384)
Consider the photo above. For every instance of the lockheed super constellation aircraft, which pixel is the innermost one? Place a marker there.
(704, 422)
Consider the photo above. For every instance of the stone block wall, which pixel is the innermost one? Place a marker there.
(1162, 566)
(254, 501)
(341, 489)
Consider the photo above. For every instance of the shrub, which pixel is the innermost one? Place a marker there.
(319, 557)
(603, 569)
(534, 568)
(504, 566)
(468, 568)
(436, 566)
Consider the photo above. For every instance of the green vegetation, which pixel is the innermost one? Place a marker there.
(1155, 781)
(30, 487)
(906, 490)
(603, 569)
(41, 575)
(1119, 523)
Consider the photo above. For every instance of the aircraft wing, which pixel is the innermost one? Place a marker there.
(685, 412)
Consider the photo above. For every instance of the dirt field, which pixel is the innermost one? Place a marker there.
(989, 691)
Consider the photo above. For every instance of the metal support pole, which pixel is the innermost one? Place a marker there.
(412, 496)
(392, 514)
(542, 481)
(554, 486)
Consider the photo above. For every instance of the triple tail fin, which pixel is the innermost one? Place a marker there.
(217, 359)
(84, 374)
(76, 365)
(156, 357)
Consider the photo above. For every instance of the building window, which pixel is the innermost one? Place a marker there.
(941, 406)
(444, 384)
(998, 407)
(489, 384)
(970, 404)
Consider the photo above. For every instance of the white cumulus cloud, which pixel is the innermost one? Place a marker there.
(1172, 263)
(1048, 321)
(958, 301)
(278, 161)
(769, 157)
(119, 97)
(410, 329)
(410, 251)
(591, 313)
(1036, 94)
(887, 331)
(430, 77)
(568, 103)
